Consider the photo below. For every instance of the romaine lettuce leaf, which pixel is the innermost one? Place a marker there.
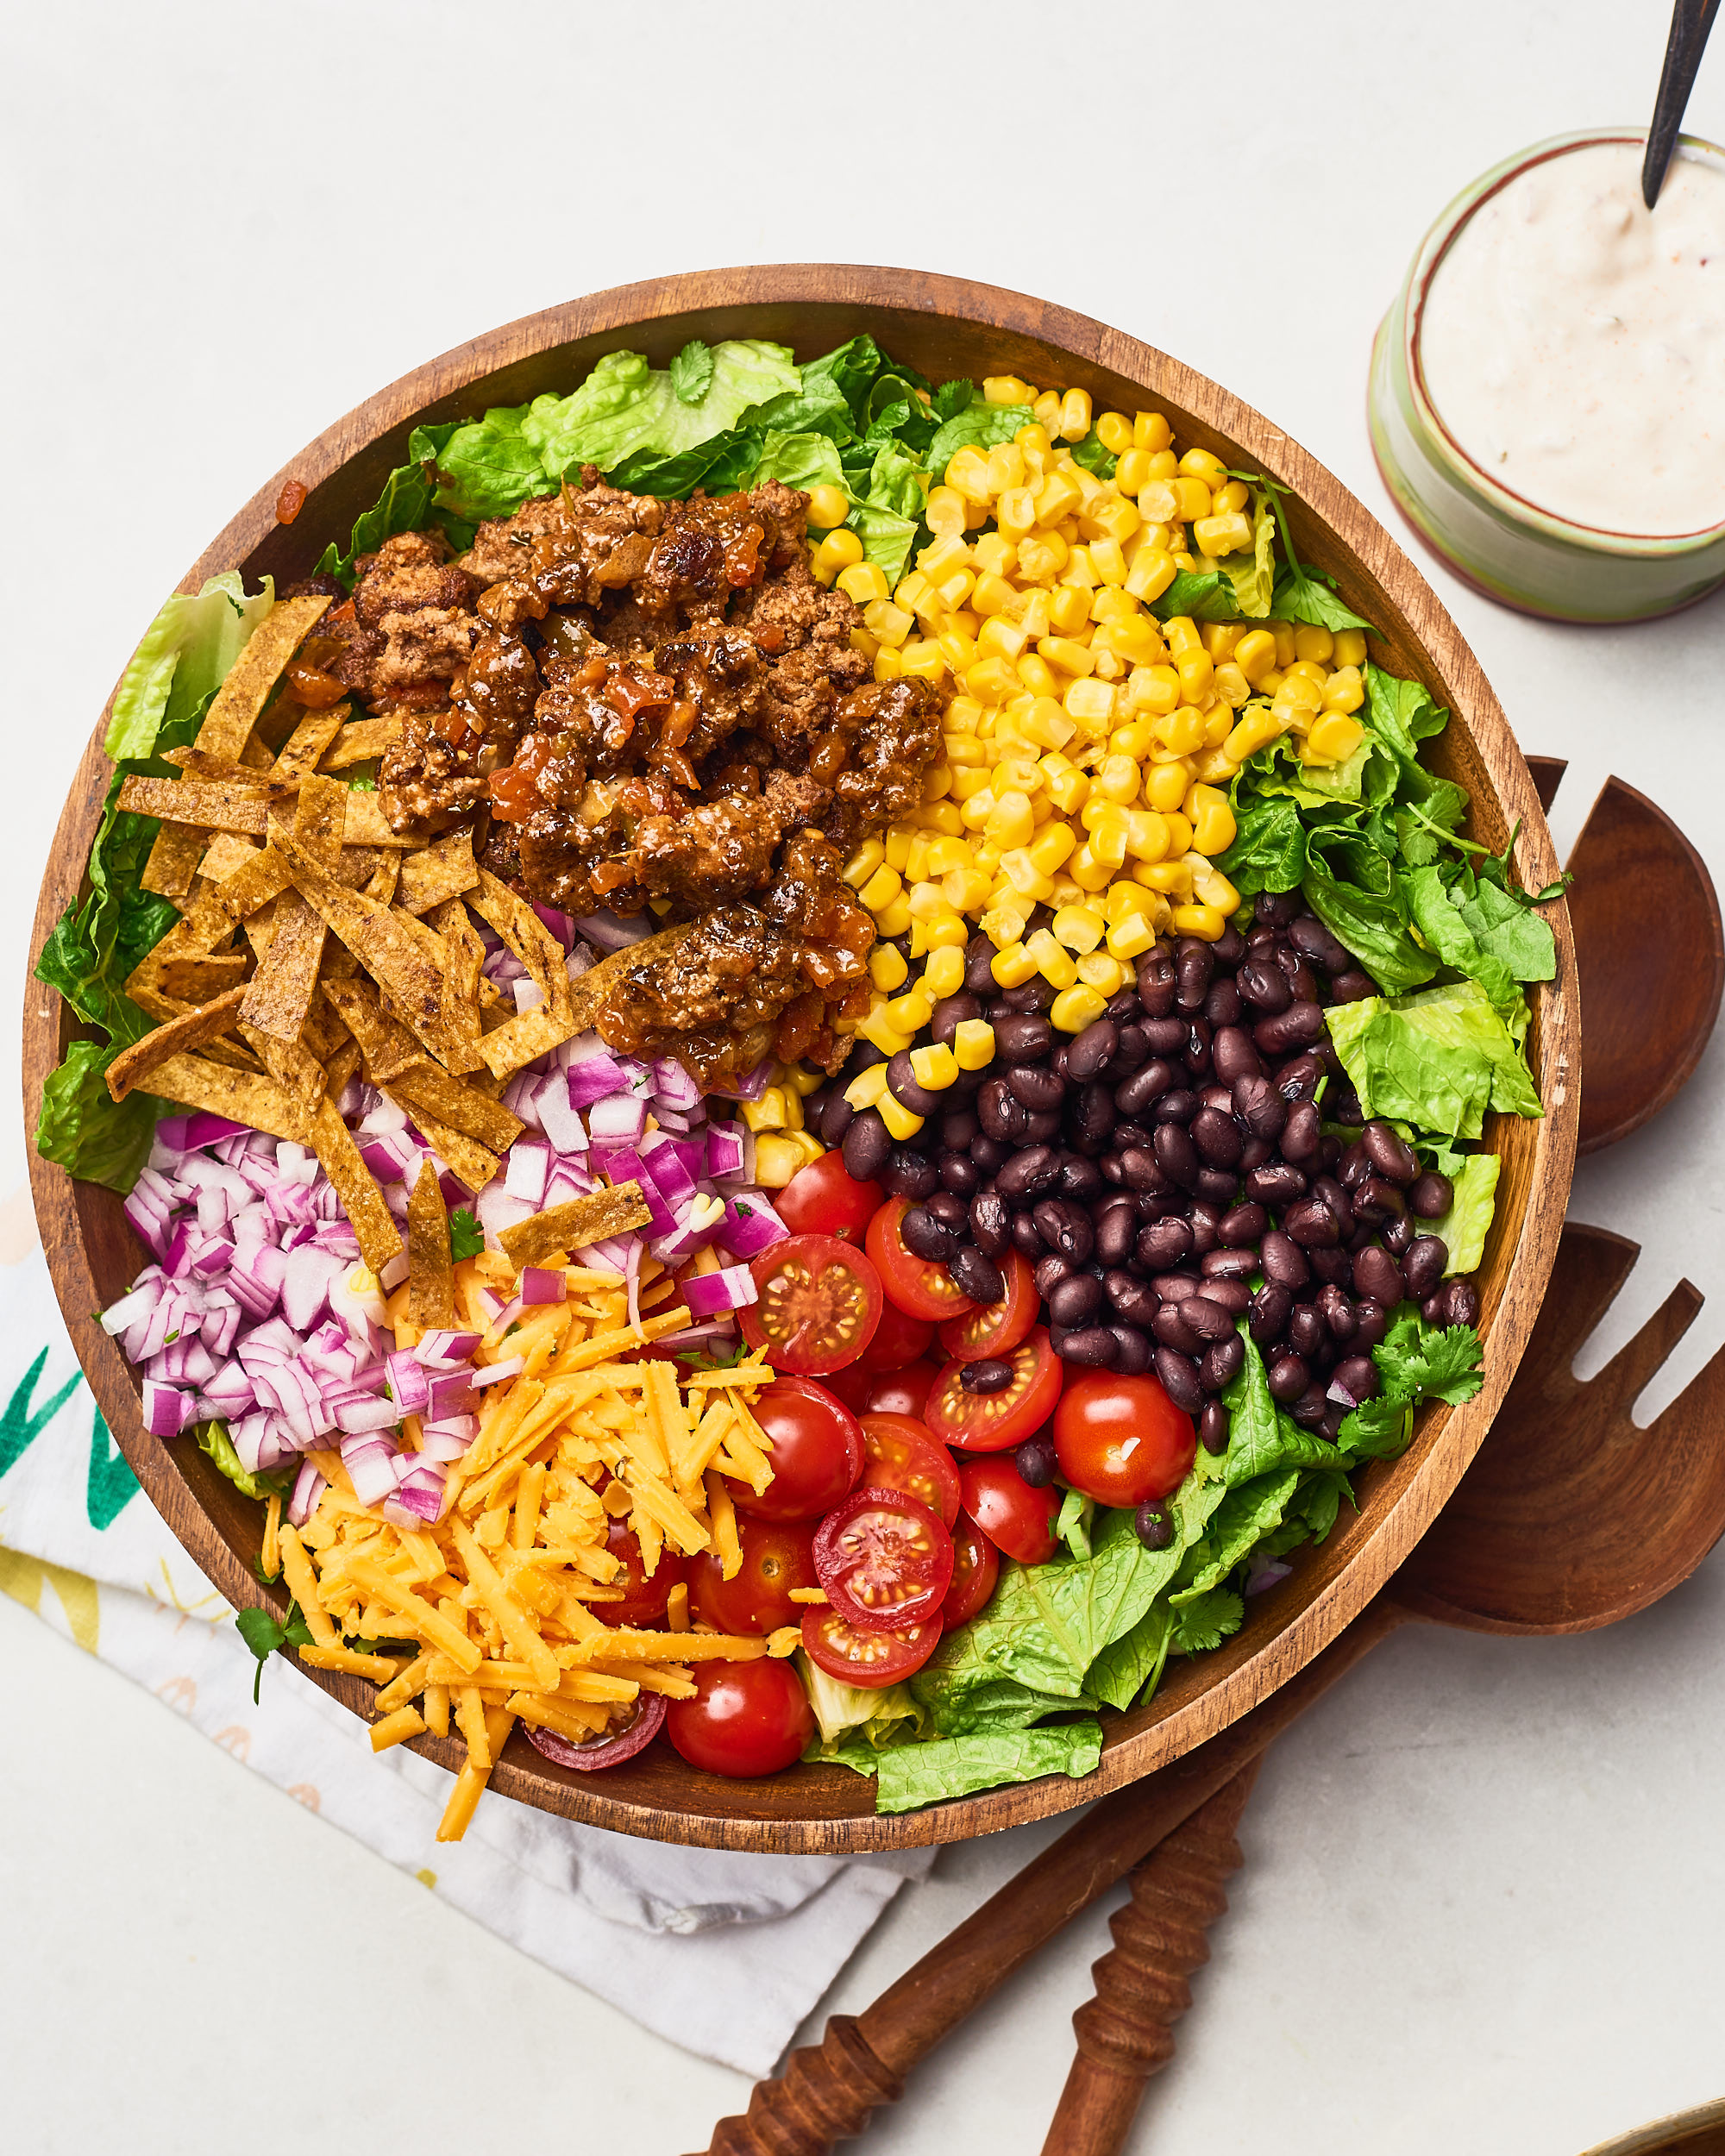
(1263, 1441)
(840, 1709)
(911, 1775)
(1434, 907)
(1401, 712)
(184, 657)
(798, 460)
(977, 425)
(1252, 571)
(1269, 852)
(1130, 1668)
(91, 1136)
(1437, 1060)
(1465, 1226)
(1198, 595)
(406, 503)
(1510, 932)
(1370, 924)
(1249, 1513)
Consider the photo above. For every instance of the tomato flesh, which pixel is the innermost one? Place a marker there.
(990, 1422)
(777, 1556)
(996, 1328)
(817, 1454)
(818, 1304)
(901, 1455)
(1121, 1439)
(898, 1340)
(916, 1285)
(884, 1560)
(975, 1568)
(645, 1600)
(1017, 1519)
(745, 1718)
(821, 1199)
(868, 1658)
(867, 1392)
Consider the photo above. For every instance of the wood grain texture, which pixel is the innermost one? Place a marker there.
(943, 327)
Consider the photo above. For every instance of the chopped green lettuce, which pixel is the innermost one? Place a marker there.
(184, 657)
(1252, 571)
(1465, 1226)
(213, 1439)
(1198, 595)
(845, 1710)
(912, 1775)
(977, 425)
(1437, 1060)
(95, 1139)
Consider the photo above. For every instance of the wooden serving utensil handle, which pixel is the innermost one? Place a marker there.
(826, 2095)
(1160, 1937)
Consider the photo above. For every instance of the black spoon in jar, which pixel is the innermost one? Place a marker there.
(1692, 19)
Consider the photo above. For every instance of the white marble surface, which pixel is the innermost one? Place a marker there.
(1484, 1885)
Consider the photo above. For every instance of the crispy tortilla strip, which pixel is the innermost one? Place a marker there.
(527, 936)
(368, 825)
(304, 746)
(397, 960)
(173, 860)
(196, 801)
(196, 1083)
(217, 770)
(199, 980)
(229, 854)
(320, 819)
(240, 700)
(465, 1156)
(382, 886)
(425, 1087)
(590, 989)
(179, 1036)
(593, 1219)
(295, 1069)
(389, 1048)
(430, 1270)
(355, 866)
(360, 740)
(521, 1040)
(441, 870)
(341, 1067)
(355, 1186)
(279, 1000)
(466, 958)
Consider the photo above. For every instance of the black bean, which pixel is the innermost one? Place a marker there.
(1300, 1077)
(1066, 1228)
(1153, 1524)
(1093, 1050)
(1133, 1049)
(960, 1173)
(1199, 1044)
(1206, 1224)
(1337, 1311)
(1194, 967)
(1234, 1058)
(1276, 909)
(1220, 1186)
(1329, 1154)
(1078, 1178)
(1331, 1266)
(1312, 1225)
(1042, 1124)
(1218, 1096)
(1222, 1004)
(909, 1173)
(1156, 984)
(1259, 1107)
(1124, 1009)
(1206, 1319)
(1178, 1377)
(1390, 1154)
(901, 1083)
(1464, 1302)
(863, 1056)
(978, 1276)
(1242, 1227)
(1427, 1262)
(1377, 1200)
(1271, 1307)
(1170, 1326)
(1356, 1166)
(1177, 1156)
(1132, 1299)
(958, 1128)
(1432, 1195)
(1139, 1168)
(1217, 1265)
(1092, 1114)
(1313, 1405)
(1026, 1240)
(926, 1236)
(1376, 1273)
(1022, 1037)
(990, 1223)
(1217, 1136)
(1299, 977)
(1032, 998)
(1278, 1182)
(1051, 1271)
(1313, 940)
(1288, 1377)
(988, 1373)
(1132, 1349)
(1036, 1462)
(1344, 1106)
(1164, 1244)
(1298, 1026)
(1284, 1261)
(1261, 984)
(1179, 1106)
(1091, 1344)
(944, 1206)
(1223, 1361)
(1233, 1296)
(1164, 1037)
(1036, 1086)
(1213, 1427)
(1076, 1300)
(951, 1012)
(1176, 1286)
(1307, 1331)
(1353, 987)
(1116, 1229)
(1398, 1236)
(1371, 1322)
(1301, 1135)
(1030, 1171)
(979, 966)
(1354, 1380)
(867, 1145)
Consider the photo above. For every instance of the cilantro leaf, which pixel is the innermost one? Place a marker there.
(1433, 1365)
(263, 1634)
(1206, 1621)
(467, 1237)
(691, 371)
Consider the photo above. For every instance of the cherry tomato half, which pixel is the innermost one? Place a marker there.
(777, 1556)
(643, 1599)
(901, 1455)
(1017, 1519)
(989, 1422)
(918, 1288)
(884, 1560)
(976, 1567)
(1122, 1440)
(745, 1718)
(898, 1339)
(867, 1392)
(996, 1328)
(817, 1452)
(820, 1199)
(819, 1304)
(869, 1658)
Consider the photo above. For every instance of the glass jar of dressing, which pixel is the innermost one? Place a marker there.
(1547, 393)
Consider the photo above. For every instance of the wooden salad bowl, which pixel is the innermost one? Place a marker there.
(944, 326)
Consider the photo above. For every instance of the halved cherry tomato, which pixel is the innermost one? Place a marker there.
(996, 1328)
(745, 1718)
(884, 1560)
(869, 1658)
(643, 1599)
(867, 1392)
(903, 1456)
(777, 1556)
(1122, 1440)
(1017, 1519)
(976, 1567)
(821, 1199)
(817, 1452)
(819, 1304)
(898, 1339)
(989, 1422)
(919, 1288)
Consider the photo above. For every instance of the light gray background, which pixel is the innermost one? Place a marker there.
(1485, 1891)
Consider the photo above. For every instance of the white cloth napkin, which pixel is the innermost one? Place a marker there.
(721, 1952)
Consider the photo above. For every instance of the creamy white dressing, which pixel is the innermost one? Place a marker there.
(1573, 344)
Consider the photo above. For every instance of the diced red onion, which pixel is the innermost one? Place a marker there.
(407, 1382)
(557, 1114)
(203, 1129)
(672, 1085)
(166, 1412)
(751, 1226)
(495, 1373)
(309, 1486)
(561, 925)
(368, 1462)
(752, 1087)
(606, 932)
(731, 1289)
(729, 1148)
(595, 1078)
(444, 1350)
(621, 1116)
(607, 1750)
(527, 1167)
(543, 1284)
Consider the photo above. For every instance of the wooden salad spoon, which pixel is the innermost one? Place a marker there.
(1569, 1518)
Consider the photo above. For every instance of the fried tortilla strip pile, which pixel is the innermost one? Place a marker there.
(431, 1268)
(179, 1038)
(574, 1226)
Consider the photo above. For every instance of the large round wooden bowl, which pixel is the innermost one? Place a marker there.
(945, 328)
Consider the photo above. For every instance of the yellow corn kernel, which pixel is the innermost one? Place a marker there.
(1052, 848)
(967, 474)
(1202, 465)
(898, 843)
(1000, 638)
(1154, 690)
(910, 1011)
(912, 868)
(1283, 633)
(1191, 497)
(1214, 765)
(1080, 927)
(944, 511)
(1015, 512)
(1333, 739)
(1117, 779)
(928, 903)
(955, 589)
(1075, 415)
(1069, 609)
(827, 506)
(1110, 604)
(887, 666)
(1117, 520)
(840, 549)
(1088, 870)
(1235, 496)
(1130, 936)
(768, 1112)
(1180, 732)
(1151, 572)
(973, 1041)
(1196, 672)
(952, 647)
(1344, 691)
(1179, 831)
(1053, 962)
(778, 1158)
(1004, 922)
(1044, 723)
(966, 890)
(1210, 887)
(1068, 790)
(1158, 501)
(1092, 705)
(1217, 535)
(1010, 822)
(1099, 971)
(1041, 558)
(863, 581)
(1298, 692)
(886, 969)
(991, 682)
(1150, 431)
(888, 624)
(1114, 432)
(943, 974)
(1023, 876)
(965, 749)
(898, 1118)
(1314, 641)
(894, 919)
(864, 862)
(1074, 1008)
(1006, 389)
(1350, 650)
(882, 887)
(1146, 834)
(949, 933)
(1011, 967)
(1208, 923)
(971, 779)
(1217, 724)
(878, 1030)
(944, 855)
(1213, 829)
(1005, 467)
(1136, 639)
(1056, 498)
(863, 1092)
(1107, 844)
(1231, 685)
(1165, 785)
(1183, 636)
(923, 661)
(1070, 657)
(935, 1067)
(1173, 877)
(1255, 732)
(993, 594)
(1254, 654)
